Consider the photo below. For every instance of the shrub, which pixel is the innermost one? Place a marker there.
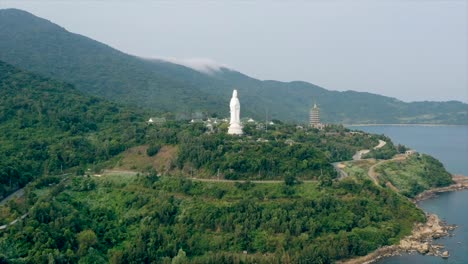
(153, 149)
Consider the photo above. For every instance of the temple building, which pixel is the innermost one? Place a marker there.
(314, 117)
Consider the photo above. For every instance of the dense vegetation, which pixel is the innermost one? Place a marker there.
(415, 174)
(147, 219)
(285, 150)
(40, 46)
(48, 127)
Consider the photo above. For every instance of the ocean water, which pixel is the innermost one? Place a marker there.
(449, 144)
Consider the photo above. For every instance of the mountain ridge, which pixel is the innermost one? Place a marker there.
(38, 45)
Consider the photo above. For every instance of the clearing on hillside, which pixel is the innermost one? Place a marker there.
(136, 158)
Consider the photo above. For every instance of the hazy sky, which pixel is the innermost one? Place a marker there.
(409, 49)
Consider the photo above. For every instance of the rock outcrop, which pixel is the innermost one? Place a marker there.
(423, 236)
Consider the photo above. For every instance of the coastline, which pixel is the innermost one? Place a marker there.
(461, 183)
(422, 237)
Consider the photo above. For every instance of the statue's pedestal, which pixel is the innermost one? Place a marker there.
(235, 129)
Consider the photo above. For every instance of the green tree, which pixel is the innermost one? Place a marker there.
(86, 239)
(180, 258)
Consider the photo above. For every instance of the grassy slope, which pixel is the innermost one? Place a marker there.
(415, 174)
(410, 176)
(136, 159)
(359, 168)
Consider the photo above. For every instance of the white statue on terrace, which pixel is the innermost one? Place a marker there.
(235, 127)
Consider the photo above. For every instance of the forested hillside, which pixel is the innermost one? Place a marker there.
(149, 219)
(37, 45)
(148, 216)
(271, 195)
(40, 46)
(47, 127)
(284, 151)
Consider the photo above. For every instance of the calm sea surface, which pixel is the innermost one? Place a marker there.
(449, 144)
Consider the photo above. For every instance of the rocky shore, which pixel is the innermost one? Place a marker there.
(421, 240)
(461, 183)
(423, 236)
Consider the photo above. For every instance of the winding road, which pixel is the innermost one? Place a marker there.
(358, 156)
(359, 153)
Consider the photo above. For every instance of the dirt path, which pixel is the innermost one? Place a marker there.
(339, 168)
(360, 153)
(381, 144)
(120, 172)
(243, 181)
(374, 175)
(240, 181)
(358, 156)
(133, 173)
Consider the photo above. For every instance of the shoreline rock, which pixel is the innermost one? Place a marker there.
(461, 183)
(424, 235)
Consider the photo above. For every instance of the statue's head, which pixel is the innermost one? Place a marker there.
(234, 94)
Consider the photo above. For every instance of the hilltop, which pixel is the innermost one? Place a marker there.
(40, 46)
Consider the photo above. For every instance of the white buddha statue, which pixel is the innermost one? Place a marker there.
(235, 127)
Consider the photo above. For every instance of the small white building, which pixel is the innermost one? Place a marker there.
(156, 120)
(210, 128)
